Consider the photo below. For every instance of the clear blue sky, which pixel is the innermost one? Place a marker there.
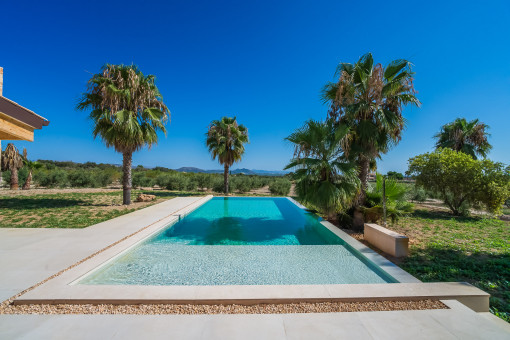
(263, 61)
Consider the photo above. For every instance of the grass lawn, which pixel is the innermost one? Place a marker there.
(470, 249)
(70, 209)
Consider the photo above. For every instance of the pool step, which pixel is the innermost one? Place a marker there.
(465, 293)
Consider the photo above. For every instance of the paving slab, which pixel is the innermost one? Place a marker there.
(459, 322)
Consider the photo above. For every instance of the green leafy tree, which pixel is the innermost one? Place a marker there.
(468, 137)
(127, 110)
(461, 180)
(31, 166)
(225, 141)
(324, 179)
(369, 98)
(12, 161)
(395, 175)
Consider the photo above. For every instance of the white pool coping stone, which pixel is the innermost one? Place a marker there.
(64, 290)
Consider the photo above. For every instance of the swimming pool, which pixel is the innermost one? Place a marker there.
(241, 241)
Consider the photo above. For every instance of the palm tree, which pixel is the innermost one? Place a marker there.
(467, 137)
(395, 200)
(369, 99)
(31, 166)
(127, 110)
(12, 161)
(324, 179)
(225, 141)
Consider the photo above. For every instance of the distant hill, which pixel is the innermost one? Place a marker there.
(234, 172)
(189, 169)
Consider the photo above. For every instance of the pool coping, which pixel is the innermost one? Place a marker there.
(62, 290)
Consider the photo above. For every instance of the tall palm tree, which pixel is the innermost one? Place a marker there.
(324, 178)
(369, 99)
(467, 137)
(225, 141)
(12, 161)
(127, 110)
(31, 166)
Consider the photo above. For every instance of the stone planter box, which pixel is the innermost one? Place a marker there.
(390, 242)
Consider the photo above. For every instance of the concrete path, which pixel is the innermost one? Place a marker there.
(456, 323)
(28, 256)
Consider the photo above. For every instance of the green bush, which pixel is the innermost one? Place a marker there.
(242, 184)
(163, 180)
(80, 178)
(462, 180)
(280, 187)
(177, 182)
(192, 184)
(141, 180)
(102, 178)
(396, 200)
(418, 194)
(217, 184)
(204, 181)
(51, 178)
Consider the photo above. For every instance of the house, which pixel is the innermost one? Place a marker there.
(16, 121)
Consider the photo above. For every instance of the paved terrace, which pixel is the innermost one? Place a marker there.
(28, 256)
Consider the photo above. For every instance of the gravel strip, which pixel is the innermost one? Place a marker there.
(322, 307)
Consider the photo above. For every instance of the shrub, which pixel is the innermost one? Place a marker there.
(242, 183)
(280, 187)
(177, 182)
(204, 181)
(418, 194)
(192, 184)
(102, 178)
(51, 178)
(217, 184)
(163, 180)
(141, 180)
(461, 180)
(396, 203)
(79, 178)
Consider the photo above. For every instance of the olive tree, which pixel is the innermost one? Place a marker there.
(461, 180)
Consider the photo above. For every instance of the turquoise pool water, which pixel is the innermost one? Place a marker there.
(241, 241)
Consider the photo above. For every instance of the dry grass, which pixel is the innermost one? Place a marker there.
(69, 208)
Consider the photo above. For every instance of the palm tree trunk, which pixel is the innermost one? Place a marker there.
(26, 186)
(358, 221)
(364, 165)
(127, 158)
(14, 179)
(225, 177)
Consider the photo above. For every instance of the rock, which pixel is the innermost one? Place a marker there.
(145, 198)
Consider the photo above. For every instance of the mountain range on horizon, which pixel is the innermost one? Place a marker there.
(235, 171)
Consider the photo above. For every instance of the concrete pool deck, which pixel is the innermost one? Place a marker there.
(28, 256)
